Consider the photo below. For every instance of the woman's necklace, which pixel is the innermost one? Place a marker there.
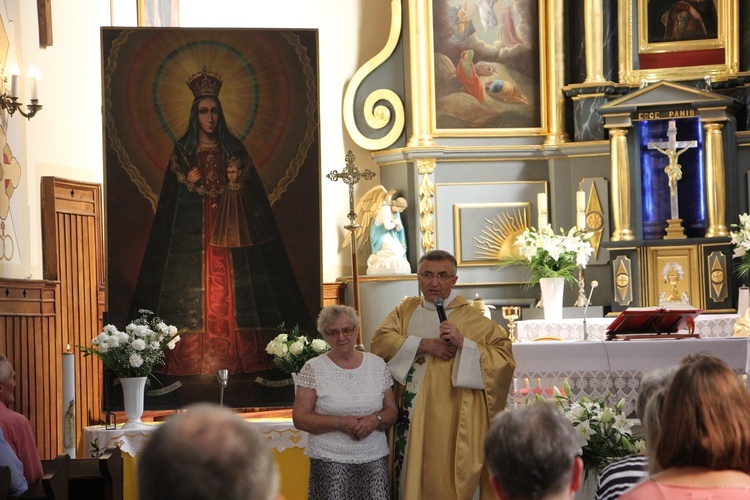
(207, 142)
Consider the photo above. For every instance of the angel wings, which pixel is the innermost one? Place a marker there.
(367, 210)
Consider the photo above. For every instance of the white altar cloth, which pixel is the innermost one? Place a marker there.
(706, 325)
(594, 367)
(279, 432)
(286, 442)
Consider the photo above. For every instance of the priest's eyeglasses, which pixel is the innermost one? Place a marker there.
(347, 331)
(442, 277)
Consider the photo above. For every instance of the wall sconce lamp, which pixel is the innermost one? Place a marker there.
(10, 102)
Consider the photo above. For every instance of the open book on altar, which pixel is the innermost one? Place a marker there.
(654, 322)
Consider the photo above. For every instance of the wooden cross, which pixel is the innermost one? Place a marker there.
(673, 169)
(351, 175)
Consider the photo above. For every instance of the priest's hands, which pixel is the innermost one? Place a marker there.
(450, 333)
(439, 348)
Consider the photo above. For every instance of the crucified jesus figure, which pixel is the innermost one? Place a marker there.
(673, 170)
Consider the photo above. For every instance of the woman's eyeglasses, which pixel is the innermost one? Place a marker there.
(347, 331)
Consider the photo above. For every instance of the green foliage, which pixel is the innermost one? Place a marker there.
(603, 431)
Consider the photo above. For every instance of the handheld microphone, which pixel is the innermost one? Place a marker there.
(594, 284)
(440, 309)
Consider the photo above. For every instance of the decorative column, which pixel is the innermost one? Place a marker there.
(419, 73)
(554, 79)
(620, 185)
(426, 204)
(715, 181)
(593, 20)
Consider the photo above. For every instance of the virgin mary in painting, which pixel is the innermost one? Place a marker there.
(212, 199)
(222, 273)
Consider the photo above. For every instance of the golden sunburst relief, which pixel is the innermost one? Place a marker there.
(500, 233)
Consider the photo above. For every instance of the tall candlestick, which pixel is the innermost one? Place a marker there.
(69, 403)
(581, 209)
(541, 201)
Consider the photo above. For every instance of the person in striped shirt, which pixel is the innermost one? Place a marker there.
(620, 476)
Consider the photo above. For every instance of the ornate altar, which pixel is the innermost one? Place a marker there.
(673, 159)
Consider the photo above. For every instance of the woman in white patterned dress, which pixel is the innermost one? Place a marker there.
(345, 401)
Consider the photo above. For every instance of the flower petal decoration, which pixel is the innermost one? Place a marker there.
(136, 351)
(552, 255)
(741, 242)
(603, 431)
(291, 350)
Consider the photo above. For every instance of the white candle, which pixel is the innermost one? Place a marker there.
(69, 403)
(34, 76)
(541, 200)
(581, 209)
(14, 72)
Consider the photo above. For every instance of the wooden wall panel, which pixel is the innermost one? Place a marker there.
(29, 338)
(73, 254)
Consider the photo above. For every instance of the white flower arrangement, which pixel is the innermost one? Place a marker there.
(291, 350)
(550, 255)
(604, 432)
(136, 351)
(741, 242)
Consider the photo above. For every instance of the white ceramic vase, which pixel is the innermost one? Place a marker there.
(133, 392)
(552, 296)
(588, 486)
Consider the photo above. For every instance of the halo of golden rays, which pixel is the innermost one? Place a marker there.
(500, 233)
(268, 95)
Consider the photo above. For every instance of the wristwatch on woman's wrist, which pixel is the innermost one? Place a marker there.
(380, 419)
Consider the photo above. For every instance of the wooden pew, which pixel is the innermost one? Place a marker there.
(89, 478)
(54, 483)
(4, 481)
(97, 478)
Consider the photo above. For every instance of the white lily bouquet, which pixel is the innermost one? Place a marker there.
(136, 351)
(291, 350)
(552, 255)
(741, 242)
(604, 432)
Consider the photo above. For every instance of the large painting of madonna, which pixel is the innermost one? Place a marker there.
(212, 202)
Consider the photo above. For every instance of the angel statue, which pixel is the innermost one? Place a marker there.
(380, 216)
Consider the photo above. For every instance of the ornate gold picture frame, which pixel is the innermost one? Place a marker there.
(683, 40)
(485, 66)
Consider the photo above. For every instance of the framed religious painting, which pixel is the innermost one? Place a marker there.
(677, 40)
(485, 67)
(212, 202)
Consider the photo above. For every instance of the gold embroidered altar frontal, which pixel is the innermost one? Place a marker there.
(287, 445)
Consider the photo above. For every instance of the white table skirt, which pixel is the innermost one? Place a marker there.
(279, 432)
(706, 325)
(593, 368)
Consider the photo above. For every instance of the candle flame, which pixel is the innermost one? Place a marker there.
(476, 296)
(68, 348)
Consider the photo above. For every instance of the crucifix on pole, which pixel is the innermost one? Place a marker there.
(674, 173)
(351, 175)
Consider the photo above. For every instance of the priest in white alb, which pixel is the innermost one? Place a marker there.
(452, 377)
